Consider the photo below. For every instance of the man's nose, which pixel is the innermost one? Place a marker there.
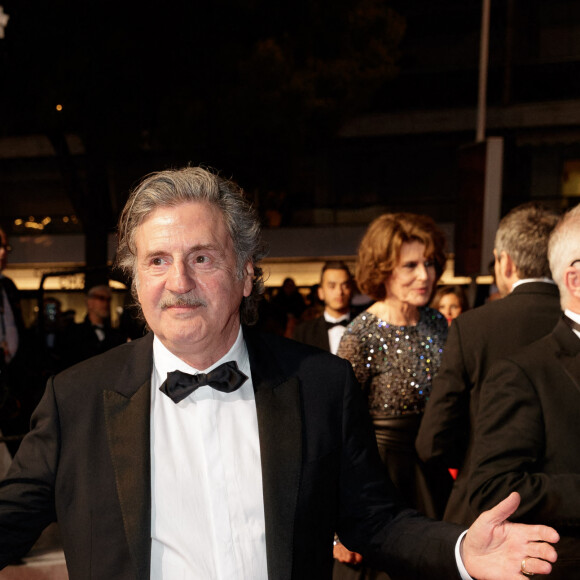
(180, 278)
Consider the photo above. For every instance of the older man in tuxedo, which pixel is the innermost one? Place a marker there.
(528, 434)
(206, 450)
(529, 309)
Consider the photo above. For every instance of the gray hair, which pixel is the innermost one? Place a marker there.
(523, 234)
(564, 248)
(173, 187)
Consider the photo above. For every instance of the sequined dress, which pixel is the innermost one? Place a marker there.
(395, 366)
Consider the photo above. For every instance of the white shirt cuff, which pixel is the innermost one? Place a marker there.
(462, 571)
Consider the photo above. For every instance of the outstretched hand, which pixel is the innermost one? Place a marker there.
(493, 548)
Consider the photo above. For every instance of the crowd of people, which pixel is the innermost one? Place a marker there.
(305, 463)
(29, 355)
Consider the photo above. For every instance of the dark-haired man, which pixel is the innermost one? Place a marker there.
(335, 292)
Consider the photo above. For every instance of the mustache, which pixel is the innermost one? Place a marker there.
(188, 299)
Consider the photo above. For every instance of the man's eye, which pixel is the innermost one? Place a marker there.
(429, 263)
(157, 261)
(201, 260)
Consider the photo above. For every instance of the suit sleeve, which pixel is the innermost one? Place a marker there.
(510, 451)
(444, 431)
(27, 492)
(373, 520)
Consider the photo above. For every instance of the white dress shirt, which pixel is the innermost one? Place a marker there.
(207, 512)
(335, 333)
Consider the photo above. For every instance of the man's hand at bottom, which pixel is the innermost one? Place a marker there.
(494, 549)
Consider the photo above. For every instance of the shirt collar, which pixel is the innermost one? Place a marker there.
(329, 318)
(165, 361)
(528, 280)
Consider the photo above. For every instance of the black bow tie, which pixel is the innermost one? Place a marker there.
(226, 378)
(330, 325)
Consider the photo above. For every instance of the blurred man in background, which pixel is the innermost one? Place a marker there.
(95, 334)
(335, 292)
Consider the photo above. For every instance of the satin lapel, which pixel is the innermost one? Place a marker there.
(569, 353)
(278, 405)
(127, 420)
(322, 332)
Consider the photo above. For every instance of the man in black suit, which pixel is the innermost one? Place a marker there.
(243, 470)
(94, 335)
(529, 310)
(335, 292)
(528, 434)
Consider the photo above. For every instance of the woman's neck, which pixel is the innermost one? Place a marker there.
(395, 312)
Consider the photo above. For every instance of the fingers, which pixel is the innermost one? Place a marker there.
(539, 533)
(542, 550)
(345, 556)
(533, 566)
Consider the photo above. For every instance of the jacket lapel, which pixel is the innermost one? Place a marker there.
(278, 405)
(127, 420)
(322, 333)
(569, 351)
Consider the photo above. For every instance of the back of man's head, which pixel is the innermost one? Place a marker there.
(523, 234)
(564, 251)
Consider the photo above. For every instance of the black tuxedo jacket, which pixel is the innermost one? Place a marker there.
(86, 462)
(527, 439)
(313, 332)
(475, 341)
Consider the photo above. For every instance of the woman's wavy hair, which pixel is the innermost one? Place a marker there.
(380, 249)
(173, 187)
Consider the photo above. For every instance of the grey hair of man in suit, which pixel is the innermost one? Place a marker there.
(171, 188)
(523, 234)
(564, 255)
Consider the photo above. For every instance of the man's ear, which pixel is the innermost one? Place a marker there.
(320, 292)
(248, 279)
(572, 280)
(507, 265)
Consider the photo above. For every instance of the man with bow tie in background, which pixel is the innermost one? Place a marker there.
(207, 450)
(335, 292)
